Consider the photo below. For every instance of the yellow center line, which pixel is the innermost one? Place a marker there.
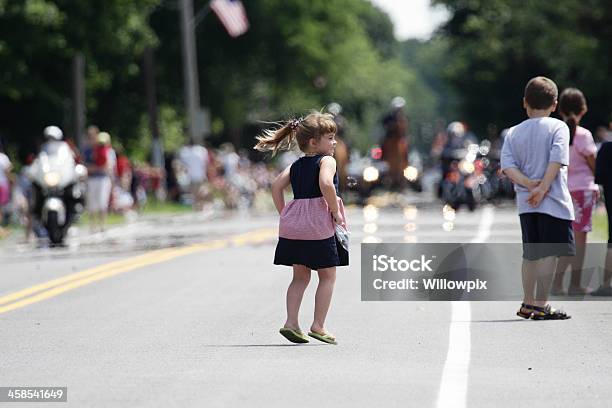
(55, 287)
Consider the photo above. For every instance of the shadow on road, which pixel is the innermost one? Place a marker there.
(499, 321)
(263, 345)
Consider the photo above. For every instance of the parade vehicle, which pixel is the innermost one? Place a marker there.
(369, 173)
(58, 188)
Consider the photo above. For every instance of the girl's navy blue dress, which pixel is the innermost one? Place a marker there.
(306, 229)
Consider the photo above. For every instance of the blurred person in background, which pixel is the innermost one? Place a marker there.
(602, 135)
(99, 184)
(230, 159)
(5, 187)
(603, 177)
(54, 141)
(455, 145)
(395, 142)
(22, 197)
(87, 150)
(195, 159)
(582, 187)
(342, 152)
(122, 197)
(172, 186)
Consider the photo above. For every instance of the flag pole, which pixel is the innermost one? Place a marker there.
(200, 15)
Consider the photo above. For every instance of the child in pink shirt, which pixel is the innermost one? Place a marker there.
(581, 182)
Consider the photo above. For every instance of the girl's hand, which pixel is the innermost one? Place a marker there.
(337, 217)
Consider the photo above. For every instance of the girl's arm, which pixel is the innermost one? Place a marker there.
(591, 162)
(326, 183)
(278, 187)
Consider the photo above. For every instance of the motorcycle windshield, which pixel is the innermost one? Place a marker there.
(55, 159)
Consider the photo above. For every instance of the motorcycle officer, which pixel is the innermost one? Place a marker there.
(395, 142)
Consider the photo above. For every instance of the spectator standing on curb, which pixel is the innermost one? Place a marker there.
(5, 187)
(195, 159)
(99, 183)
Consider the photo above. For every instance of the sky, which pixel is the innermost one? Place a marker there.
(412, 18)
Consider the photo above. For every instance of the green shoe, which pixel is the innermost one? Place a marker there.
(325, 338)
(294, 336)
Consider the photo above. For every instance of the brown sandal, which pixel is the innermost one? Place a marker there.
(523, 314)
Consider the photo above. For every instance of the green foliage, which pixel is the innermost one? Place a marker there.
(496, 46)
(171, 126)
(297, 56)
(39, 38)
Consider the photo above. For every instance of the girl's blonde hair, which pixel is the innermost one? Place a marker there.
(299, 130)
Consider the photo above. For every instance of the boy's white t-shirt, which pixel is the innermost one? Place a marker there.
(529, 147)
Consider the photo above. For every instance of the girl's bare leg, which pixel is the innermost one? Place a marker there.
(562, 264)
(578, 261)
(295, 292)
(327, 279)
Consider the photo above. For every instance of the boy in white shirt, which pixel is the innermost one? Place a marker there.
(535, 157)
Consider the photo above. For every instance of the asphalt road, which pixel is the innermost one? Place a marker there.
(185, 311)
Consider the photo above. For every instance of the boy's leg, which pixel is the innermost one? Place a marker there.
(529, 272)
(327, 279)
(529, 232)
(545, 270)
(295, 292)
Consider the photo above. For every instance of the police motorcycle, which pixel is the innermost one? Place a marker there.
(58, 187)
(367, 173)
(458, 168)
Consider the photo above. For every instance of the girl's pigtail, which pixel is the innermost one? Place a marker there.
(571, 104)
(277, 139)
(572, 123)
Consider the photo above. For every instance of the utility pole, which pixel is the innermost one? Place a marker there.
(190, 71)
(157, 152)
(78, 98)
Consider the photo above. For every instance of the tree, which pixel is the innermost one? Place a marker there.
(497, 46)
(39, 39)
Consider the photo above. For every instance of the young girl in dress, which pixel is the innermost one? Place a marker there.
(307, 239)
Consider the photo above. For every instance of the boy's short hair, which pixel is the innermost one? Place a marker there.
(541, 93)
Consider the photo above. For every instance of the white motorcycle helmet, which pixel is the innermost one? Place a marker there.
(53, 133)
(456, 129)
(397, 103)
(334, 108)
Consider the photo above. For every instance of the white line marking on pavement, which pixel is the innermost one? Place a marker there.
(453, 387)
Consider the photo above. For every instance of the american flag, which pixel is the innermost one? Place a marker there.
(232, 15)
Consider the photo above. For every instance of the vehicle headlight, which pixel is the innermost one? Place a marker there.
(370, 174)
(411, 173)
(52, 179)
(466, 167)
